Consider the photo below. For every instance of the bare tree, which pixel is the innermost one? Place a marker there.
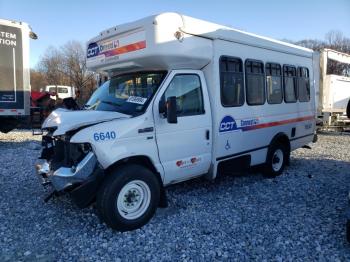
(68, 67)
(337, 41)
(311, 43)
(333, 40)
(75, 64)
(52, 66)
(37, 80)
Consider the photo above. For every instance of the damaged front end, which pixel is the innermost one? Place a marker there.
(69, 167)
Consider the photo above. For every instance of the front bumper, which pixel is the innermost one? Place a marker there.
(65, 177)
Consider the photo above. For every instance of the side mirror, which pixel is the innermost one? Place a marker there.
(171, 110)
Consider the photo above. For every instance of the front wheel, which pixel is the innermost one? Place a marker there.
(128, 199)
(277, 157)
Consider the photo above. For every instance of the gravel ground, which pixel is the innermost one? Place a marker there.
(296, 217)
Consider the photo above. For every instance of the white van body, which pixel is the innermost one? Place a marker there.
(334, 90)
(199, 144)
(61, 91)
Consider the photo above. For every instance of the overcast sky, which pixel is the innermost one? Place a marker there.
(56, 22)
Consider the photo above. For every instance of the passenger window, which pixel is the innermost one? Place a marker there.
(187, 90)
(254, 73)
(274, 83)
(231, 81)
(303, 84)
(289, 81)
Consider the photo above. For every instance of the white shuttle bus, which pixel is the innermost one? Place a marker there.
(186, 98)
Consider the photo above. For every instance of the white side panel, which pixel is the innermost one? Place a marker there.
(336, 93)
(257, 125)
(316, 60)
(26, 69)
(338, 56)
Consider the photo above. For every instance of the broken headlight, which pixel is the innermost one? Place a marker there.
(85, 148)
(77, 152)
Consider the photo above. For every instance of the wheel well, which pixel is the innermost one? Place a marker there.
(139, 160)
(283, 139)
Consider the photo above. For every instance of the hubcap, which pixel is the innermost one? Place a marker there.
(277, 160)
(133, 199)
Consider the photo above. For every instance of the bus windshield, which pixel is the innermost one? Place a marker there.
(128, 93)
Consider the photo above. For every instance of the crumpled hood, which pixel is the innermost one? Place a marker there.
(66, 120)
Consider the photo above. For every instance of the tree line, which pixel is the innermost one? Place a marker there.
(333, 40)
(66, 65)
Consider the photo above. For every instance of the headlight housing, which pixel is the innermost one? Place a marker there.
(77, 152)
(85, 148)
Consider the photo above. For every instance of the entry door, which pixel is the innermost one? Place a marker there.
(185, 147)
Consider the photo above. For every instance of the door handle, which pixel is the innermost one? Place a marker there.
(207, 134)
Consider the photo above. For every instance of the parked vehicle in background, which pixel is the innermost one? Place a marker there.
(186, 98)
(334, 92)
(61, 92)
(41, 106)
(14, 73)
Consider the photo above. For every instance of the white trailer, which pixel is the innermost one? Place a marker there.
(186, 98)
(334, 92)
(60, 91)
(14, 73)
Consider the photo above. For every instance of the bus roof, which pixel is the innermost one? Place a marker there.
(171, 40)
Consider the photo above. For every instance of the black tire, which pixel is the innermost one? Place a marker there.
(348, 231)
(277, 152)
(348, 109)
(107, 197)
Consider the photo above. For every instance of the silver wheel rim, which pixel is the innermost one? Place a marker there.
(134, 199)
(277, 160)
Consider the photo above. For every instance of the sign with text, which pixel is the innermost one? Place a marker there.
(11, 64)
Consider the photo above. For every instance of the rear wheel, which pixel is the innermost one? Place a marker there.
(277, 158)
(128, 198)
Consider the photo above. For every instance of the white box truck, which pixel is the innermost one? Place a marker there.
(334, 91)
(14, 73)
(186, 98)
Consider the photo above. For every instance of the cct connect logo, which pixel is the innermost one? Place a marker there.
(228, 124)
(93, 50)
